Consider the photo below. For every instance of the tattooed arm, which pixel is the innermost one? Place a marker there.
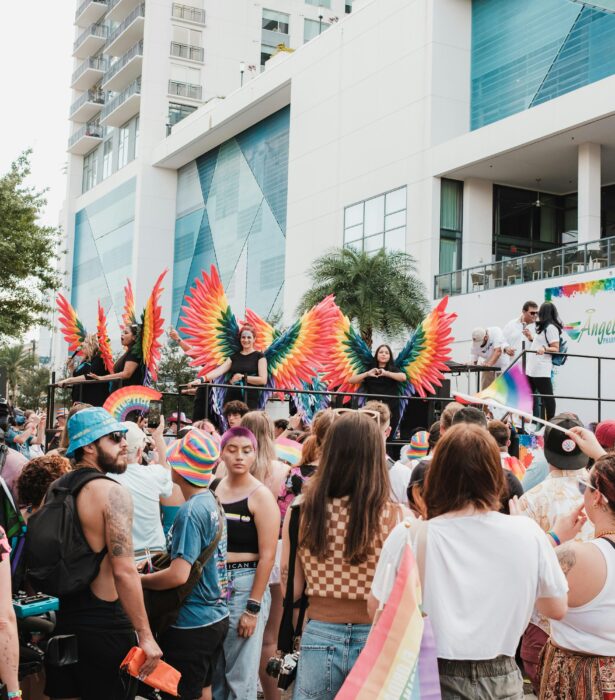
(567, 557)
(118, 537)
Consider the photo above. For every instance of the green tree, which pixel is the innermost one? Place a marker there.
(28, 254)
(33, 388)
(379, 292)
(16, 361)
(173, 371)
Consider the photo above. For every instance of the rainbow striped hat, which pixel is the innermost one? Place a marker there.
(194, 457)
(419, 444)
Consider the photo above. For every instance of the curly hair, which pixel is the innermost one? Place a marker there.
(37, 476)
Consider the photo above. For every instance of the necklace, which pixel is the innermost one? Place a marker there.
(604, 533)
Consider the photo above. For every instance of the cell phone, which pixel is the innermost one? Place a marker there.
(153, 416)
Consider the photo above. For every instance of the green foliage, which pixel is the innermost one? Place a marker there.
(33, 388)
(28, 254)
(16, 361)
(378, 292)
(174, 369)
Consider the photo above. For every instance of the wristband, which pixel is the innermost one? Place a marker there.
(253, 607)
(250, 614)
(14, 694)
(556, 539)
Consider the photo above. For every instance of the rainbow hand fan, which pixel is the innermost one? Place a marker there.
(130, 398)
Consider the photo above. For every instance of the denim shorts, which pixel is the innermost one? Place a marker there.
(327, 654)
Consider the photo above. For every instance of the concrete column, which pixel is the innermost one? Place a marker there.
(590, 182)
(477, 239)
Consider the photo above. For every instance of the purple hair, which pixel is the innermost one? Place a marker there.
(237, 432)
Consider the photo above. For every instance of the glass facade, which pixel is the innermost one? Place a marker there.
(102, 255)
(527, 52)
(231, 212)
(378, 222)
(451, 224)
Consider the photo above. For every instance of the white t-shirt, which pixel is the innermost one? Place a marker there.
(399, 476)
(483, 574)
(147, 485)
(513, 334)
(541, 365)
(494, 341)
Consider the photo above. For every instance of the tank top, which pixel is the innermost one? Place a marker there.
(583, 628)
(242, 535)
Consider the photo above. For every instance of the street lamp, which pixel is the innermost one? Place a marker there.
(321, 14)
(242, 68)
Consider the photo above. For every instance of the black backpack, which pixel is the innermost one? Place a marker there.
(59, 560)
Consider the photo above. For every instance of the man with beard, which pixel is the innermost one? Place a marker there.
(105, 616)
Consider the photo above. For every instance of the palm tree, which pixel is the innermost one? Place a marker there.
(378, 292)
(15, 360)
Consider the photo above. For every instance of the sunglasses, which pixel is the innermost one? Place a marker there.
(584, 485)
(533, 313)
(368, 412)
(117, 436)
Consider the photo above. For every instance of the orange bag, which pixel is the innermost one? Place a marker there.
(164, 677)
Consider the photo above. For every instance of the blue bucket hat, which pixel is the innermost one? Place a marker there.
(88, 425)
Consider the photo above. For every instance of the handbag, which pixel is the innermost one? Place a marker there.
(163, 677)
(163, 607)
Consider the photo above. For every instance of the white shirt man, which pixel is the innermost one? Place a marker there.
(521, 330)
(489, 345)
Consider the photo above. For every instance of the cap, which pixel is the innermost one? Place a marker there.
(419, 445)
(182, 418)
(561, 451)
(193, 457)
(135, 437)
(89, 425)
(605, 434)
(288, 451)
(478, 334)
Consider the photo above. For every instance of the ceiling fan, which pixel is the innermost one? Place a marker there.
(538, 203)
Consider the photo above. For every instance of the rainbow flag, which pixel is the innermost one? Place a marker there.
(130, 398)
(510, 389)
(399, 659)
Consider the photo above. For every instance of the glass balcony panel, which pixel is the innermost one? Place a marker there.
(129, 31)
(192, 92)
(188, 13)
(574, 259)
(190, 53)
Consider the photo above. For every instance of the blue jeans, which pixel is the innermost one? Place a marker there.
(237, 669)
(328, 653)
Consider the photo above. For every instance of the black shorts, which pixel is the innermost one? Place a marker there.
(194, 653)
(96, 676)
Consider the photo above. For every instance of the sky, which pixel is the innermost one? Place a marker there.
(35, 67)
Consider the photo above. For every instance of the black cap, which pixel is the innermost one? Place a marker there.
(561, 451)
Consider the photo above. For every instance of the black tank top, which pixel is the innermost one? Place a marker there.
(241, 532)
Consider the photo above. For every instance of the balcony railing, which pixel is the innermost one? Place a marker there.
(136, 50)
(95, 96)
(191, 14)
(94, 130)
(94, 63)
(192, 53)
(132, 89)
(192, 92)
(99, 30)
(139, 11)
(571, 259)
(84, 4)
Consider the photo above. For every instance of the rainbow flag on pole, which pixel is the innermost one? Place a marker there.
(399, 659)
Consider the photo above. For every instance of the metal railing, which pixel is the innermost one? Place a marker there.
(84, 4)
(136, 50)
(94, 62)
(100, 30)
(95, 96)
(570, 259)
(192, 53)
(193, 92)
(93, 129)
(133, 89)
(139, 11)
(189, 13)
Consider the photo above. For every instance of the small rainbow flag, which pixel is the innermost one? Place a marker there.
(399, 659)
(130, 398)
(511, 389)
(288, 451)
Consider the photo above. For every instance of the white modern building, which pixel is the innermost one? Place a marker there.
(478, 135)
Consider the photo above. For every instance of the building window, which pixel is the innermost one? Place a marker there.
(122, 146)
(319, 3)
(177, 112)
(312, 28)
(376, 223)
(451, 224)
(136, 148)
(266, 53)
(107, 166)
(90, 170)
(276, 21)
(348, 7)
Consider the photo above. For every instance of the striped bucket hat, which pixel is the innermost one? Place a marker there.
(194, 457)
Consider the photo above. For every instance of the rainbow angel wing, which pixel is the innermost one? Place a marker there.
(423, 358)
(348, 355)
(104, 344)
(308, 405)
(72, 329)
(301, 350)
(265, 332)
(209, 324)
(152, 325)
(129, 317)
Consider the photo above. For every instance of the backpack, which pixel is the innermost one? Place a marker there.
(558, 359)
(59, 560)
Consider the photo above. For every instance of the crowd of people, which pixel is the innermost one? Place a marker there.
(245, 534)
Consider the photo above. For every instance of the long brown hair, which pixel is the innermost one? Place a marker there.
(465, 470)
(312, 445)
(352, 465)
(261, 425)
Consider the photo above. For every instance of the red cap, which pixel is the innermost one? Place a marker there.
(605, 434)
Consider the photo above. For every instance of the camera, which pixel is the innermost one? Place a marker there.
(284, 668)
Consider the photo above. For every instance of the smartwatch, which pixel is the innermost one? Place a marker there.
(253, 607)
